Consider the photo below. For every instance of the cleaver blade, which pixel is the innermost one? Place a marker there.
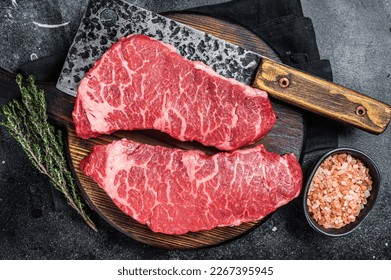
(104, 22)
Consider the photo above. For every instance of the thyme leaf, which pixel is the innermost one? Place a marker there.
(27, 121)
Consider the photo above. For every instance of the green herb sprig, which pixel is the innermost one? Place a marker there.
(27, 121)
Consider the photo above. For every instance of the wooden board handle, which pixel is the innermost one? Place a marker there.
(322, 97)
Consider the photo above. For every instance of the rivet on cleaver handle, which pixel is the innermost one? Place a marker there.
(322, 97)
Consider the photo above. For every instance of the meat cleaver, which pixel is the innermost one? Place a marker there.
(104, 22)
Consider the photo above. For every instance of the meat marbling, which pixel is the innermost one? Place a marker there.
(142, 83)
(175, 191)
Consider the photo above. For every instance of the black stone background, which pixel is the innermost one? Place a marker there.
(354, 35)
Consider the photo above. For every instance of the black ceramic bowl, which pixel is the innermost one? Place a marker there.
(373, 172)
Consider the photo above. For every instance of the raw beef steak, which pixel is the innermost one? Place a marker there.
(142, 83)
(175, 191)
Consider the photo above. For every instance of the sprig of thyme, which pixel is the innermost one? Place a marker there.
(27, 121)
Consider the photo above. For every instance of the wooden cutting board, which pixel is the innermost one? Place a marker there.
(286, 136)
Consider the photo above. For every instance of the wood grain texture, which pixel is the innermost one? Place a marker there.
(323, 97)
(286, 136)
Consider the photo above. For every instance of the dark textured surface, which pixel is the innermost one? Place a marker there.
(104, 22)
(354, 35)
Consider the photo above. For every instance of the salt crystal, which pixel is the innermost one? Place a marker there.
(342, 191)
(3, 162)
(274, 229)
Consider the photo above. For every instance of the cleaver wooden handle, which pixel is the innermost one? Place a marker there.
(322, 97)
